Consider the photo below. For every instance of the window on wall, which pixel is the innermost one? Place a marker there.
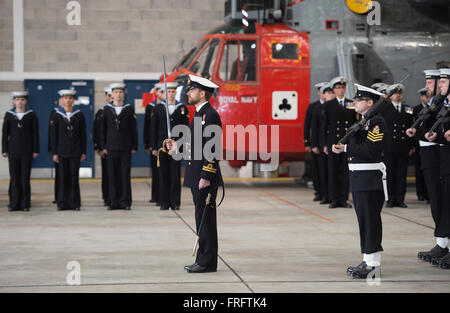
(238, 61)
(204, 64)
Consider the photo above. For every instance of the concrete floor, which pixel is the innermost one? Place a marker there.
(272, 238)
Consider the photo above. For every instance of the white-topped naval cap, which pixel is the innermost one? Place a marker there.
(325, 88)
(19, 94)
(430, 74)
(338, 80)
(378, 85)
(203, 83)
(171, 85)
(363, 91)
(108, 90)
(117, 86)
(67, 92)
(422, 91)
(444, 72)
(399, 88)
(320, 85)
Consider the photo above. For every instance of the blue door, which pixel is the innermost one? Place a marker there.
(134, 91)
(43, 98)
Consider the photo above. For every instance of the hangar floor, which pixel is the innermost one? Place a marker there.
(272, 238)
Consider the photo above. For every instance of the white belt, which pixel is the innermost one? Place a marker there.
(426, 143)
(372, 167)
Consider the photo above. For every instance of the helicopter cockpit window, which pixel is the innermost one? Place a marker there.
(193, 54)
(204, 63)
(238, 61)
(287, 51)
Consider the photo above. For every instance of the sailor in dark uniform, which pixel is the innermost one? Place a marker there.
(49, 146)
(169, 169)
(430, 164)
(118, 142)
(20, 144)
(147, 135)
(69, 150)
(367, 175)
(318, 144)
(442, 136)
(398, 146)
(421, 188)
(96, 137)
(308, 133)
(203, 174)
(339, 116)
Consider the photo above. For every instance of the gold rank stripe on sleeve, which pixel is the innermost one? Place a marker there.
(210, 169)
(374, 138)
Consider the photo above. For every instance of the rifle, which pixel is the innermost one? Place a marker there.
(425, 113)
(442, 117)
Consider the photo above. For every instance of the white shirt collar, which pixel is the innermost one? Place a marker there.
(200, 106)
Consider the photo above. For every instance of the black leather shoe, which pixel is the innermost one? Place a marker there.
(317, 198)
(333, 205)
(76, 209)
(199, 269)
(356, 268)
(128, 208)
(189, 266)
(363, 272)
(444, 263)
(60, 208)
(402, 205)
(346, 205)
(164, 208)
(436, 252)
(152, 201)
(54, 201)
(325, 201)
(389, 204)
(176, 208)
(26, 210)
(157, 204)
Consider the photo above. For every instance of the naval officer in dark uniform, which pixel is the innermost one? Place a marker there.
(421, 188)
(319, 193)
(118, 142)
(20, 144)
(169, 169)
(442, 137)
(69, 150)
(96, 137)
(160, 95)
(203, 174)
(430, 165)
(398, 146)
(339, 115)
(367, 173)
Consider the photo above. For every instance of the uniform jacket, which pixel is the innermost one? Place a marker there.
(206, 169)
(444, 149)
(97, 128)
(337, 120)
(20, 137)
(68, 136)
(367, 147)
(119, 132)
(147, 124)
(316, 123)
(396, 140)
(307, 130)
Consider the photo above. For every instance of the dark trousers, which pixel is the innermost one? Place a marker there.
(368, 206)
(105, 180)
(169, 181)
(338, 177)
(445, 183)
(56, 184)
(155, 178)
(396, 167)
(316, 174)
(421, 188)
(68, 196)
(433, 182)
(19, 185)
(323, 175)
(119, 176)
(208, 243)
